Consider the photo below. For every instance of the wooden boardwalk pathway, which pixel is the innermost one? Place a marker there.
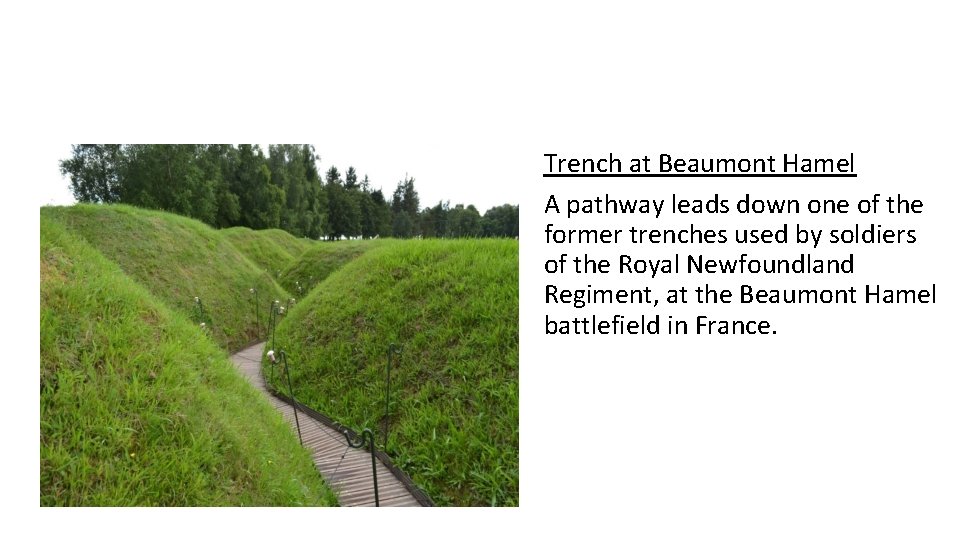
(346, 470)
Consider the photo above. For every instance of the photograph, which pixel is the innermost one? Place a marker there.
(250, 325)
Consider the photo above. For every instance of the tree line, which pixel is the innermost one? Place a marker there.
(225, 186)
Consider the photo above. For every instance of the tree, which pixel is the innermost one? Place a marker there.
(433, 221)
(402, 225)
(94, 172)
(382, 220)
(464, 222)
(368, 210)
(221, 160)
(169, 177)
(351, 180)
(344, 213)
(261, 201)
(226, 185)
(293, 168)
(406, 209)
(502, 221)
(315, 217)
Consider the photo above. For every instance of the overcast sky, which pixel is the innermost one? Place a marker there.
(385, 166)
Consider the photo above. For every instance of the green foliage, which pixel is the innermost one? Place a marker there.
(433, 220)
(343, 206)
(380, 223)
(464, 222)
(406, 209)
(169, 177)
(293, 168)
(261, 200)
(351, 183)
(178, 259)
(226, 186)
(502, 221)
(374, 211)
(94, 171)
(453, 306)
(219, 165)
(138, 406)
(441, 221)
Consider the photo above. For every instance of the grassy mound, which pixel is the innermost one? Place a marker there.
(453, 306)
(177, 259)
(321, 260)
(293, 245)
(138, 406)
(271, 249)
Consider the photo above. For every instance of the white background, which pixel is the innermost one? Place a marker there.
(844, 424)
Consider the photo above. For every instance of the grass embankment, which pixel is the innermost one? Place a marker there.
(138, 406)
(270, 249)
(322, 259)
(453, 306)
(177, 259)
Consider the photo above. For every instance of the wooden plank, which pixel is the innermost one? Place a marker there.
(367, 481)
(328, 444)
(320, 442)
(351, 459)
(385, 493)
(342, 477)
(347, 467)
(332, 460)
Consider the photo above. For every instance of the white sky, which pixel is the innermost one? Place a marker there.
(384, 165)
(388, 90)
(51, 187)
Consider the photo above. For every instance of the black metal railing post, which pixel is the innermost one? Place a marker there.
(366, 439)
(256, 308)
(271, 326)
(274, 311)
(296, 417)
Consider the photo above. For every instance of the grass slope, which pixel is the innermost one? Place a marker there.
(322, 259)
(138, 406)
(177, 259)
(453, 306)
(293, 245)
(271, 249)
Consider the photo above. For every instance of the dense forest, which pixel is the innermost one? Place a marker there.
(225, 186)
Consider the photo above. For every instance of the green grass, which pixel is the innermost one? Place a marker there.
(271, 249)
(138, 406)
(177, 259)
(453, 306)
(321, 259)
